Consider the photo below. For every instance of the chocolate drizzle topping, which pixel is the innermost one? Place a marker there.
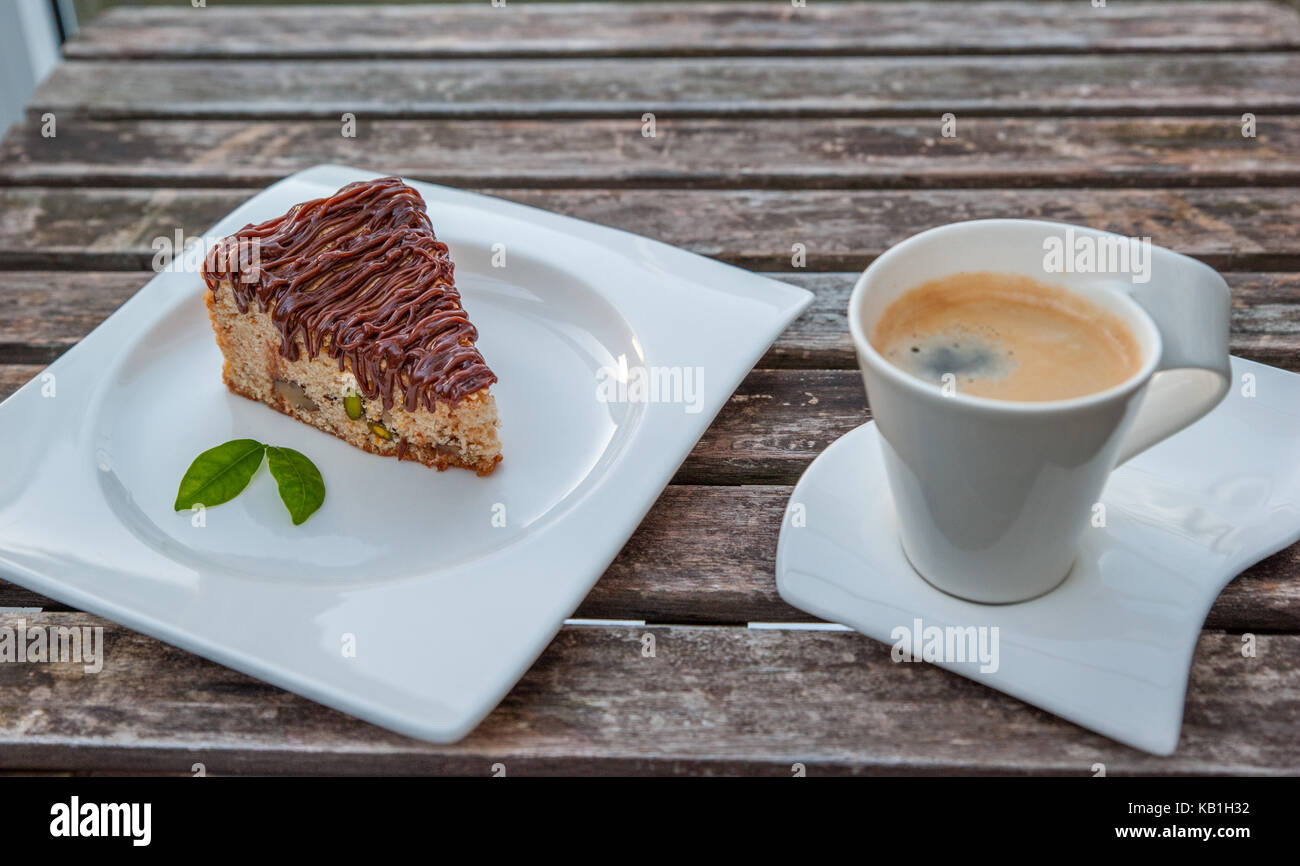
(359, 275)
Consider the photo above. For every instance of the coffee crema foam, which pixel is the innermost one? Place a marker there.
(1008, 337)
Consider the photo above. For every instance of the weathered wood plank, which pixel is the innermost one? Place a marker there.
(1232, 229)
(774, 425)
(776, 153)
(14, 376)
(43, 313)
(89, 229)
(594, 704)
(724, 87)
(681, 29)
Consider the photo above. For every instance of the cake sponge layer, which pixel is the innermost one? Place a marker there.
(317, 392)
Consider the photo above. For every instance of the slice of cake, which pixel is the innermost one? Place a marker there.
(343, 313)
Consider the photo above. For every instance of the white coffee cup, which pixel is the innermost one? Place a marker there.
(992, 496)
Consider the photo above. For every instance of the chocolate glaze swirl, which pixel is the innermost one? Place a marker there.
(360, 276)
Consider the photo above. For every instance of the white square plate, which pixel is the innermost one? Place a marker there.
(446, 608)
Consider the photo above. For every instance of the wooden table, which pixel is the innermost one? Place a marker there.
(776, 125)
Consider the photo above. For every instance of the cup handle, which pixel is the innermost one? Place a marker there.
(1191, 306)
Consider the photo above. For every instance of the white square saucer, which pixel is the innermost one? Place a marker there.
(1111, 648)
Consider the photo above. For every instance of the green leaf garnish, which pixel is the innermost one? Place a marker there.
(219, 474)
(301, 488)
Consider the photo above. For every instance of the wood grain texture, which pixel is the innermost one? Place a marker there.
(1232, 229)
(90, 229)
(712, 701)
(777, 153)
(1142, 84)
(43, 313)
(667, 29)
(14, 376)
